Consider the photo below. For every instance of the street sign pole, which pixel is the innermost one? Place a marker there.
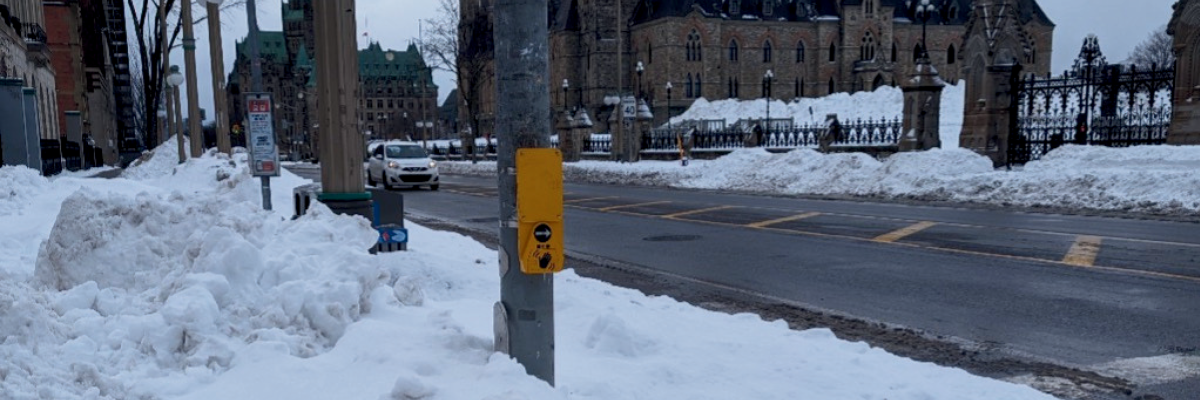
(524, 317)
(264, 156)
(256, 85)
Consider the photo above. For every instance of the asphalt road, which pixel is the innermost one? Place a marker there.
(1106, 294)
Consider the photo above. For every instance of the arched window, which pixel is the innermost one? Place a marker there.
(867, 52)
(733, 50)
(951, 55)
(832, 52)
(767, 51)
(831, 86)
(800, 52)
(693, 46)
(869, 7)
(917, 52)
(699, 88)
(894, 54)
(688, 86)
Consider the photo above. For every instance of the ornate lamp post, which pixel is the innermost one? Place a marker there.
(768, 78)
(216, 54)
(174, 79)
(640, 69)
(668, 106)
(924, 12)
(566, 86)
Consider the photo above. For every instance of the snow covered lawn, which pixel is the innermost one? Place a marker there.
(1146, 179)
(172, 283)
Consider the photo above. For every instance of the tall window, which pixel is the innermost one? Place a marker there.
(831, 86)
(733, 88)
(867, 52)
(699, 88)
(869, 7)
(950, 55)
(688, 86)
(733, 50)
(832, 52)
(767, 52)
(800, 52)
(1033, 52)
(694, 49)
(769, 7)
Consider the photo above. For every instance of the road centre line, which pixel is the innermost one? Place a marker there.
(764, 224)
(1083, 252)
(632, 205)
(588, 199)
(904, 232)
(693, 212)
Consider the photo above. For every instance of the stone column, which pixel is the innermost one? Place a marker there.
(644, 119)
(566, 124)
(922, 109)
(988, 124)
(581, 133)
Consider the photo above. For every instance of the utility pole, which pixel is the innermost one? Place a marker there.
(524, 317)
(217, 56)
(342, 146)
(193, 95)
(618, 142)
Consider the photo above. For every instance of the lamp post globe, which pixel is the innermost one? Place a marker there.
(175, 78)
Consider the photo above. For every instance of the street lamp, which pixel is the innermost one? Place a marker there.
(640, 70)
(669, 106)
(174, 79)
(924, 12)
(217, 56)
(767, 79)
(565, 87)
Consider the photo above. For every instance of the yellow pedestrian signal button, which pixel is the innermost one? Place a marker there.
(540, 210)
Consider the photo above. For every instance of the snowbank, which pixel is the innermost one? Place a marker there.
(178, 285)
(1146, 179)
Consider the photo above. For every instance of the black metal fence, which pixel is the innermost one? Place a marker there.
(858, 133)
(1092, 104)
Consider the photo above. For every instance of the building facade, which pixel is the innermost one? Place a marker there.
(81, 56)
(723, 49)
(397, 96)
(1185, 31)
(24, 55)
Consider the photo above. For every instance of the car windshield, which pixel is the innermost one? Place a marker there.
(405, 151)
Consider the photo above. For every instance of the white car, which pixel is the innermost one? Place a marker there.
(403, 164)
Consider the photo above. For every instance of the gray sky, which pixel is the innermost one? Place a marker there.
(1120, 25)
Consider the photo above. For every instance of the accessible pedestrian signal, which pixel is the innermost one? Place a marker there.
(540, 210)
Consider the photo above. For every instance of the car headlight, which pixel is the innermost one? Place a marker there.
(433, 164)
(393, 164)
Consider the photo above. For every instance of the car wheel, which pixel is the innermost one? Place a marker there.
(433, 187)
(387, 184)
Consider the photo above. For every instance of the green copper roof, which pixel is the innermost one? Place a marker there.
(302, 58)
(271, 45)
(376, 63)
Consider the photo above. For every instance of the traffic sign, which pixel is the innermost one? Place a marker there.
(264, 157)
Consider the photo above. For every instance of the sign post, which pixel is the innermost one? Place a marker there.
(264, 156)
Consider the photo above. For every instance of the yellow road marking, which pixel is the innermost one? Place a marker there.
(590, 199)
(1083, 252)
(904, 232)
(632, 205)
(797, 217)
(703, 210)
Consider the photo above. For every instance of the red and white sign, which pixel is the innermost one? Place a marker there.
(264, 157)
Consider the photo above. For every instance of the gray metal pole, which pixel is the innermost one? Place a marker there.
(525, 314)
(193, 95)
(256, 81)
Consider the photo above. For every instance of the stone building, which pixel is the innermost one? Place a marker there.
(24, 55)
(722, 49)
(1185, 30)
(396, 89)
(81, 57)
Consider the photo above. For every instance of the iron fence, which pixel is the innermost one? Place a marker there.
(858, 133)
(1092, 104)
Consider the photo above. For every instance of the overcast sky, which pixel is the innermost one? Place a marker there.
(1120, 25)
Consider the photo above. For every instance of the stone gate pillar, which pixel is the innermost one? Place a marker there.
(1185, 30)
(566, 124)
(922, 109)
(990, 122)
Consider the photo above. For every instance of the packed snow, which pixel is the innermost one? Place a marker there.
(172, 283)
(1145, 179)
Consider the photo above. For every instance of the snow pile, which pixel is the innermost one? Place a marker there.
(886, 102)
(180, 286)
(18, 184)
(160, 162)
(1148, 179)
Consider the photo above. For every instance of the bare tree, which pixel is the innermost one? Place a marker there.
(1157, 51)
(439, 44)
(473, 55)
(151, 28)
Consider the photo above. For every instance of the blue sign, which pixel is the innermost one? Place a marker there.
(392, 235)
